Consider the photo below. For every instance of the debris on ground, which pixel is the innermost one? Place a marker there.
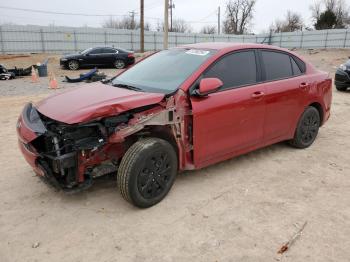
(91, 76)
(287, 245)
(5, 74)
(36, 245)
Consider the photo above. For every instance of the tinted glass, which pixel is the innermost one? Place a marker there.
(164, 71)
(277, 65)
(235, 70)
(109, 51)
(295, 67)
(96, 51)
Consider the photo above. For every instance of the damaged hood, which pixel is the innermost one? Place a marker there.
(94, 101)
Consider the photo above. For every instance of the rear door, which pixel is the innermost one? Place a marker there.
(230, 120)
(109, 56)
(286, 86)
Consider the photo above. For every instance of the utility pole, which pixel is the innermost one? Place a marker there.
(142, 27)
(166, 24)
(171, 6)
(219, 20)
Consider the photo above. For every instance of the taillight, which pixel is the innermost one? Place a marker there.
(131, 55)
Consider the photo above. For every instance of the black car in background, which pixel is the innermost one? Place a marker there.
(98, 57)
(342, 76)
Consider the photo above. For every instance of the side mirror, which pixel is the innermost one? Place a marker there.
(208, 86)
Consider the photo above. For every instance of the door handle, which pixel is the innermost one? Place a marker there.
(258, 94)
(304, 85)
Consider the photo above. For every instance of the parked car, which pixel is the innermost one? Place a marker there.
(179, 109)
(342, 76)
(98, 57)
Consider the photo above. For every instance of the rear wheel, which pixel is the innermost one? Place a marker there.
(119, 64)
(73, 65)
(147, 172)
(307, 128)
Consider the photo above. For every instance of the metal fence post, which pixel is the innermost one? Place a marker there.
(345, 38)
(301, 40)
(2, 41)
(213, 38)
(280, 39)
(325, 44)
(195, 38)
(132, 41)
(155, 41)
(105, 36)
(42, 40)
(175, 39)
(75, 41)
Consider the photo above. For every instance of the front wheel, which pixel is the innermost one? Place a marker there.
(307, 128)
(73, 65)
(341, 88)
(147, 172)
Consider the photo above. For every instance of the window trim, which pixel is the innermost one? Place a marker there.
(257, 68)
(291, 56)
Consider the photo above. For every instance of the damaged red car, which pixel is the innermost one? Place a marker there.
(178, 109)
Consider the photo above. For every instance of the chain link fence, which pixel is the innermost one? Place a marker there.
(52, 39)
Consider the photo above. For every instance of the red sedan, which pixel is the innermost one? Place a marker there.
(178, 109)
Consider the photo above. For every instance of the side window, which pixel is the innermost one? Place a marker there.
(96, 51)
(295, 67)
(235, 69)
(277, 65)
(109, 51)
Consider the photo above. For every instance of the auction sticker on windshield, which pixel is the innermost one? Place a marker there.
(197, 52)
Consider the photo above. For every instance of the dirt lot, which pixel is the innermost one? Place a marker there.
(243, 209)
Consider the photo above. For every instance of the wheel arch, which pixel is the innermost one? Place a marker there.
(320, 110)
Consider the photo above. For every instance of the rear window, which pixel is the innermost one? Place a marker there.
(277, 65)
(295, 67)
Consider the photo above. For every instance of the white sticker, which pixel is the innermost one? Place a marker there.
(197, 52)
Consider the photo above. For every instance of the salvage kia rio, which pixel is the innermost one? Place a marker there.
(179, 109)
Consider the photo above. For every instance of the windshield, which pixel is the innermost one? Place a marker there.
(86, 51)
(164, 71)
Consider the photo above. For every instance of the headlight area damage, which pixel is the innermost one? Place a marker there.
(69, 156)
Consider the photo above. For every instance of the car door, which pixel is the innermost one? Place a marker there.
(285, 86)
(230, 120)
(109, 56)
(95, 57)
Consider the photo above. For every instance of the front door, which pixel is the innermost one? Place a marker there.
(231, 120)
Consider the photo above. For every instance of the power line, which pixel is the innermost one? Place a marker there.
(55, 13)
(89, 15)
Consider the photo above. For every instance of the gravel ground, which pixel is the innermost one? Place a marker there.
(243, 209)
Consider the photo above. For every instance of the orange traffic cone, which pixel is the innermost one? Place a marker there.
(35, 77)
(53, 84)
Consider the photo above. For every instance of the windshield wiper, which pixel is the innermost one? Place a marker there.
(128, 87)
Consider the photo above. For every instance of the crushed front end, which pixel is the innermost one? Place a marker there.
(66, 155)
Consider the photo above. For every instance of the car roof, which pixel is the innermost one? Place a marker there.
(229, 46)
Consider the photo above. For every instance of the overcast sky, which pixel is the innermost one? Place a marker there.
(197, 12)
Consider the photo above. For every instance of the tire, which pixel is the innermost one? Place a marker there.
(119, 64)
(341, 88)
(73, 65)
(307, 129)
(147, 172)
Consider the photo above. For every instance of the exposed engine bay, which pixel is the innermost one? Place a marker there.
(71, 155)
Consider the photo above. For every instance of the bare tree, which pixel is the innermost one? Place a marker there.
(239, 14)
(208, 29)
(125, 23)
(293, 22)
(181, 26)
